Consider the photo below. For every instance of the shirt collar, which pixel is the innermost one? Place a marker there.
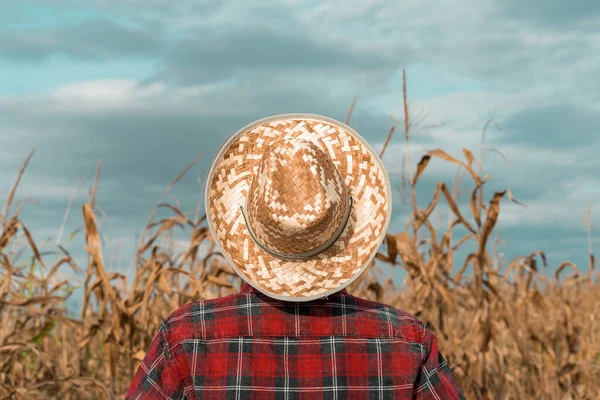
(247, 288)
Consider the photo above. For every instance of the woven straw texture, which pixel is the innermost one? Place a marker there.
(298, 200)
(290, 178)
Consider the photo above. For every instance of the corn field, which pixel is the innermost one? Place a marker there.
(507, 330)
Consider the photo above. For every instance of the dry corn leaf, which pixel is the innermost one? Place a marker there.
(219, 281)
(9, 233)
(471, 158)
(563, 266)
(391, 247)
(164, 285)
(19, 300)
(34, 248)
(94, 248)
(441, 154)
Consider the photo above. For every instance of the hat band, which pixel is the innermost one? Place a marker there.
(307, 254)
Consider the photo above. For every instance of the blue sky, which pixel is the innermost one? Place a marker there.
(146, 86)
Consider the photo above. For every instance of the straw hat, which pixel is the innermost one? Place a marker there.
(299, 205)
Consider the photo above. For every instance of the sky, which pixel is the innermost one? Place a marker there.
(147, 86)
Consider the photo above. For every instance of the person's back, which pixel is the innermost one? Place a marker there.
(248, 345)
(299, 205)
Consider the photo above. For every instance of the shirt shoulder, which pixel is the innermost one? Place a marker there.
(255, 314)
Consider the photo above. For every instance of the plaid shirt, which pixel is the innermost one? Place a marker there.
(249, 346)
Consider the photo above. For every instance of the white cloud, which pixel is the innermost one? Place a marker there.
(106, 93)
(49, 189)
(561, 208)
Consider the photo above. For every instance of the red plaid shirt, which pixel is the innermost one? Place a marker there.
(249, 346)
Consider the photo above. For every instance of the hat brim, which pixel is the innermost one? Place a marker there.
(227, 186)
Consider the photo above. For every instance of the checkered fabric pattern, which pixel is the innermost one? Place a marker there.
(249, 346)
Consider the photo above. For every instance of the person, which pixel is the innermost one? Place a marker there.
(299, 205)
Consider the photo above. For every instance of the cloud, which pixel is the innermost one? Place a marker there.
(559, 207)
(240, 52)
(504, 44)
(90, 40)
(58, 189)
(564, 125)
(355, 42)
(214, 66)
(233, 42)
(105, 95)
(554, 13)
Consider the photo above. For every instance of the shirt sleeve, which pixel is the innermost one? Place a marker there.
(434, 379)
(158, 376)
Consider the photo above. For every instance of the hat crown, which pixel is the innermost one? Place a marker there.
(298, 202)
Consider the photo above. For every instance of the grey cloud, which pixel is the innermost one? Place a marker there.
(160, 7)
(496, 43)
(553, 13)
(209, 54)
(270, 41)
(498, 40)
(516, 59)
(562, 126)
(91, 40)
